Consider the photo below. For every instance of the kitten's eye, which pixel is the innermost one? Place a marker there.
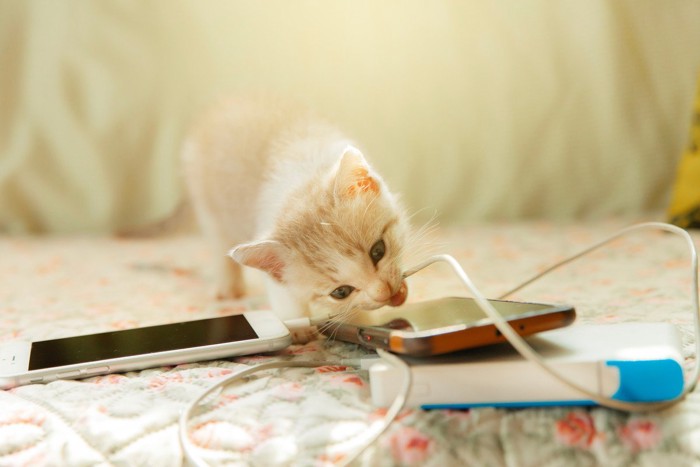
(342, 292)
(377, 251)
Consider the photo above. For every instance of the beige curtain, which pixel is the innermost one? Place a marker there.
(473, 110)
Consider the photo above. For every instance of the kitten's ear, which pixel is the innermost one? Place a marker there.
(353, 177)
(266, 255)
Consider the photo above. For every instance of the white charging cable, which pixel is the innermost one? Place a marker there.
(527, 351)
(373, 432)
(502, 325)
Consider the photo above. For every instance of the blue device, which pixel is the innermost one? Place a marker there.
(632, 362)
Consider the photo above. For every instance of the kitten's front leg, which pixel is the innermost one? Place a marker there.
(287, 306)
(231, 283)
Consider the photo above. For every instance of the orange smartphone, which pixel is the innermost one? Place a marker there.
(436, 327)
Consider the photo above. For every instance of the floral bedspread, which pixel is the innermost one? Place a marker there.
(58, 286)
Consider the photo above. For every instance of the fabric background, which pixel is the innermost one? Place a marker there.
(472, 110)
(66, 285)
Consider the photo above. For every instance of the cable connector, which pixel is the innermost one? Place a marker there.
(301, 329)
(298, 323)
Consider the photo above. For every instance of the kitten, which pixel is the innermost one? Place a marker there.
(289, 194)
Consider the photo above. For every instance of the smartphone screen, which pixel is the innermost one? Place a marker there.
(445, 325)
(139, 341)
(445, 312)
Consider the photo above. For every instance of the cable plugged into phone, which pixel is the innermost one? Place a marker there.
(304, 329)
(301, 329)
(297, 324)
(378, 427)
(529, 354)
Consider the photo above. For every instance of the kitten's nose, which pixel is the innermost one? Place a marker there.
(379, 291)
(400, 296)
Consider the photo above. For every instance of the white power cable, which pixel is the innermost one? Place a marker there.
(373, 432)
(379, 427)
(528, 353)
(513, 337)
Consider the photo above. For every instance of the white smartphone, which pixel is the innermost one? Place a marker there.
(23, 362)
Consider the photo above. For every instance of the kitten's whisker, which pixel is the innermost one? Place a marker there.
(416, 243)
(432, 218)
(424, 230)
(338, 319)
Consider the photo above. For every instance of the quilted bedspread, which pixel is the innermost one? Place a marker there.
(59, 286)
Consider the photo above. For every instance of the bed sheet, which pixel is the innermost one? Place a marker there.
(58, 286)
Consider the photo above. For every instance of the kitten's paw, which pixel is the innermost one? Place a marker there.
(304, 335)
(230, 284)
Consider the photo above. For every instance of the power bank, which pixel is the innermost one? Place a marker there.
(634, 362)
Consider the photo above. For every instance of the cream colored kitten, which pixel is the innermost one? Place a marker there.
(291, 195)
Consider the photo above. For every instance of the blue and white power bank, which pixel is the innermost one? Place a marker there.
(633, 362)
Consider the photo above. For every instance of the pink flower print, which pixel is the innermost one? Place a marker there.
(218, 372)
(331, 368)
(124, 324)
(354, 379)
(410, 446)
(183, 272)
(346, 380)
(336, 378)
(225, 399)
(22, 417)
(462, 414)
(381, 413)
(21, 431)
(329, 460)
(218, 435)
(110, 379)
(640, 434)
(231, 310)
(676, 264)
(290, 391)
(641, 292)
(160, 382)
(459, 419)
(336, 375)
(576, 429)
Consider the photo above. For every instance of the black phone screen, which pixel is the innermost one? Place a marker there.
(444, 312)
(139, 341)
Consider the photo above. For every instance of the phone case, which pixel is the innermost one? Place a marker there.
(450, 335)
